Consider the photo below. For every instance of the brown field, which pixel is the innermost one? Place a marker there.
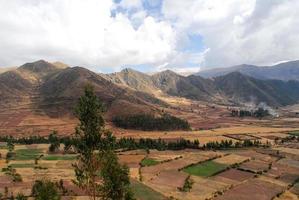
(252, 189)
(287, 196)
(209, 123)
(163, 156)
(235, 175)
(232, 159)
(256, 166)
(242, 137)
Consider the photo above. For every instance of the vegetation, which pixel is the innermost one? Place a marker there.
(10, 171)
(97, 159)
(22, 165)
(27, 154)
(148, 162)
(54, 142)
(116, 181)
(259, 113)
(187, 185)
(294, 133)
(150, 123)
(59, 157)
(226, 144)
(21, 197)
(130, 144)
(144, 192)
(205, 169)
(45, 190)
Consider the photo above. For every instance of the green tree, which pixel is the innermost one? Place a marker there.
(97, 170)
(115, 177)
(45, 190)
(87, 140)
(20, 196)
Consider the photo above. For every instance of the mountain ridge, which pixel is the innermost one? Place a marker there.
(282, 71)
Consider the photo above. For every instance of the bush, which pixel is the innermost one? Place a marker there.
(45, 190)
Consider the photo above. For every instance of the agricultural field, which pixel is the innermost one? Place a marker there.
(241, 174)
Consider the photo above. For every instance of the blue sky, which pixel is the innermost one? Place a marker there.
(149, 35)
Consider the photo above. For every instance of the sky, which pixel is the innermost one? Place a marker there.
(149, 35)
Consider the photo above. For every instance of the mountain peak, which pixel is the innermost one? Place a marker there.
(39, 67)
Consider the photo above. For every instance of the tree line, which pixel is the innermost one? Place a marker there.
(259, 113)
(148, 122)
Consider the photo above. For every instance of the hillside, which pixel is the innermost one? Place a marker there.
(54, 89)
(242, 88)
(283, 71)
(167, 82)
(234, 87)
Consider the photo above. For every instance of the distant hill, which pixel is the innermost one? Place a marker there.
(5, 69)
(167, 82)
(283, 71)
(234, 87)
(55, 90)
(241, 88)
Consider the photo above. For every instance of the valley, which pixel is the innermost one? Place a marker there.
(38, 98)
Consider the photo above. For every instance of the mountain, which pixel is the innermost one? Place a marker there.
(242, 88)
(191, 87)
(233, 87)
(132, 79)
(19, 85)
(54, 90)
(167, 82)
(5, 69)
(283, 71)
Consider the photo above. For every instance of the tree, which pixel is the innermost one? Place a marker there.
(115, 177)
(45, 190)
(20, 196)
(54, 142)
(95, 146)
(87, 139)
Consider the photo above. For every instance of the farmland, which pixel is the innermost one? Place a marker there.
(246, 173)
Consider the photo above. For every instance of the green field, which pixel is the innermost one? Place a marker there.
(60, 157)
(205, 169)
(143, 192)
(27, 154)
(295, 133)
(22, 165)
(149, 162)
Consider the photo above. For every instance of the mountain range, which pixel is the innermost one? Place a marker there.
(283, 71)
(54, 88)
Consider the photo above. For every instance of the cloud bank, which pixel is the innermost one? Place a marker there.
(106, 35)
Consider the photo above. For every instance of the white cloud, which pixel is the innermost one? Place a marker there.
(101, 34)
(80, 33)
(240, 31)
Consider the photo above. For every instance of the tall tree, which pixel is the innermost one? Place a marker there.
(87, 140)
(97, 170)
(115, 177)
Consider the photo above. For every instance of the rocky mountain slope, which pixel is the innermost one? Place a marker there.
(55, 88)
(283, 71)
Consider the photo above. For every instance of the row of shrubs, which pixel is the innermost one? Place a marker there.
(227, 144)
(151, 123)
(143, 143)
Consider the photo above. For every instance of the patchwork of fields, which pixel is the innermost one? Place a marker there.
(234, 174)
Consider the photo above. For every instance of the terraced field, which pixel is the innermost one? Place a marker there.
(235, 174)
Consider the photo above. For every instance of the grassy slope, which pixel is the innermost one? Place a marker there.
(205, 169)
